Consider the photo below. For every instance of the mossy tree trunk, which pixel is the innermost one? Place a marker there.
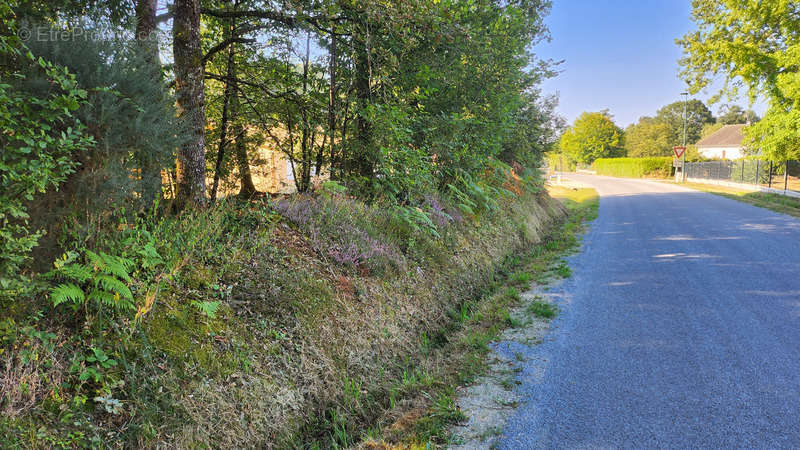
(189, 86)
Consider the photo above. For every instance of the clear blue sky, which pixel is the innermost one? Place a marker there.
(620, 55)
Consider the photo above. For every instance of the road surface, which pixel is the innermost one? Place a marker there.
(680, 329)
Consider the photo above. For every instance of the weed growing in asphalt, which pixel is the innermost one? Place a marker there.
(541, 309)
(563, 270)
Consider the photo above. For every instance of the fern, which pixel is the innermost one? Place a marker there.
(77, 272)
(102, 281)
(112, 265)
(67, 292)
(111, 284)
(110, 300)
(209, 309)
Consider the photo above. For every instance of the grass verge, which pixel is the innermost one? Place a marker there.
(775, 202)
(426, 415)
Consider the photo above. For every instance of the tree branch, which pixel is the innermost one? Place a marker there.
(289, 21)
(224, 44)
(238, 81)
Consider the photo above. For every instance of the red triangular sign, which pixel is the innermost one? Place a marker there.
(678, 151)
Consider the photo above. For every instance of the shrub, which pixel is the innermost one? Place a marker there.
(39, 143)
(657, 167)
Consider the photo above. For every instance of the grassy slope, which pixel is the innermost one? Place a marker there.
(428, 416)
(775, 202)
(303, 351)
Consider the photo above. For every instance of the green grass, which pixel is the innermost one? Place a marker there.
(521, 278)
(541, 309)
(775, 202)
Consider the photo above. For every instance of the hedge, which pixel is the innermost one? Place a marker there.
(658, 167)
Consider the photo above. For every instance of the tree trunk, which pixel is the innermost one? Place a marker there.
(223, 131)
(189, 87)
(306, 146)
(331, 112)
(147, 40)
(364, 163)
(247, 189)
(146, 27)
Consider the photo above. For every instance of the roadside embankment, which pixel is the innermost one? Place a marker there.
(311, 321)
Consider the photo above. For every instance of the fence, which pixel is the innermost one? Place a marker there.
(763, 175)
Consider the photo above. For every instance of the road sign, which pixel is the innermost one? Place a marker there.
(678, 151)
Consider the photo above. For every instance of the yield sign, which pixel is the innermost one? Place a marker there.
(679, 151)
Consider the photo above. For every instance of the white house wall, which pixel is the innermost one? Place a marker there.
(721, 152)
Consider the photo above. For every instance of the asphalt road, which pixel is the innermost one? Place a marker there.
(680, 328)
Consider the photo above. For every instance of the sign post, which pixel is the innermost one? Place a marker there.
(680, 153)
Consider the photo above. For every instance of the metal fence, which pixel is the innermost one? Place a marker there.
(783, 176)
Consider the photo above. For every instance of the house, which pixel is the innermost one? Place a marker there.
(725, 143)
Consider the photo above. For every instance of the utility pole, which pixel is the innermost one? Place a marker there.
(683, 162)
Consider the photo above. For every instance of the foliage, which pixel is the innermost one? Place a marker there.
(648, 137)
(592, 136)
(560, 161)
(101, 281)
(735, 115)
(696, 117)
(131, 118)
(759, 55)
(430, 119)
(634, 167)
(40, 141)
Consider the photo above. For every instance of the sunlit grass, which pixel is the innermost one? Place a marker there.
(775, 202)
(584, 201)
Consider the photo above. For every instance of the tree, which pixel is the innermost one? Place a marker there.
(189, 88)
(648, 137)
(697, 116)
(593, 135)
(759, 55)
(735, 114)
(129, 113)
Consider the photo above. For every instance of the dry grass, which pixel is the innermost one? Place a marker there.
(352, 330)
(28, 376)
(303, 352)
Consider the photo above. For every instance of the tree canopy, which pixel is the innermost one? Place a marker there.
(593, 135)
(735, 114)
(649, 137)
(757, 55)
(697, 116)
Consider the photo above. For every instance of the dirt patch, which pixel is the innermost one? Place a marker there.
(493, 397)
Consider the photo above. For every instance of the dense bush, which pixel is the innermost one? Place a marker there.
(40, 143)
(660, 167)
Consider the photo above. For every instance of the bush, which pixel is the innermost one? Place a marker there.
(39, 146)
(658, 167)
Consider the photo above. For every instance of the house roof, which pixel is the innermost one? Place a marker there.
(727, 136)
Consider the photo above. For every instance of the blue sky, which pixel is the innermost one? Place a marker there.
(619, 55)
